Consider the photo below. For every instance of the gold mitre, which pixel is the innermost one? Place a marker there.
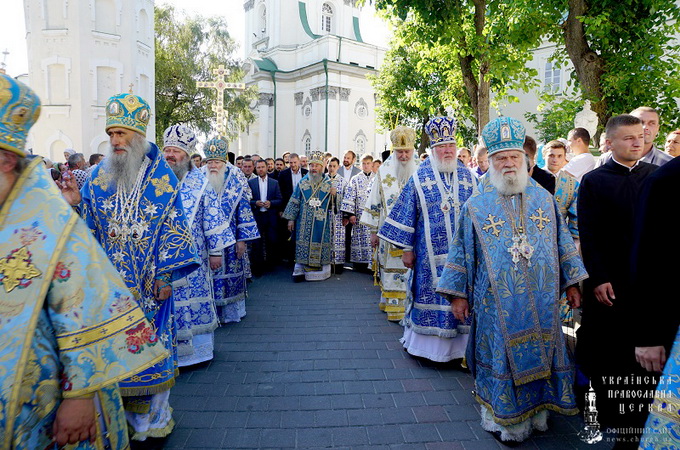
(403, 138)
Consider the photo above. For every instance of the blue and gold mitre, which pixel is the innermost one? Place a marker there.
(441, 130)
(503, 133)
(216, 148)
(180, 136)
(19, 109)
(316, 157)
(128, 111)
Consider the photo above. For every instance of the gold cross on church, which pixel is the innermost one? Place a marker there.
(220, 85)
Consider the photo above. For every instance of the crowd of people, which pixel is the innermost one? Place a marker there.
(115, 274)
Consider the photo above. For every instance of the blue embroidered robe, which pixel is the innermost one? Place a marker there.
(312, 224)
(417, 223)
(158, 243)
(663, 424)
(353, 202)
(230, 279)
(193, 294)
(517, 351)
(338, 232)
(69, 325)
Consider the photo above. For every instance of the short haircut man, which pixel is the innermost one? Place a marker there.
(541, 176)
(555, 152)
(95, 158)
(578, 141)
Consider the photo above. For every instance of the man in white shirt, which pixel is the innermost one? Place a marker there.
(348, 169)
(578, 141)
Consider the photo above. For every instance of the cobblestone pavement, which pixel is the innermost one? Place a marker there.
(317, 365)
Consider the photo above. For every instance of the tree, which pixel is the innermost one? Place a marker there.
(486, 43)
(624, 53)
(555, 116)
(187, 50)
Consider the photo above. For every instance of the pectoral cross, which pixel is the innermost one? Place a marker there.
(539, 219)
(494, 225)
(220, 85)
(428, 183)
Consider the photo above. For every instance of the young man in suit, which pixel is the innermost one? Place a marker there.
(288, 179)
(266, 203)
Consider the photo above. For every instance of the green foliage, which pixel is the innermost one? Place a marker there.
(555, 117)
(454, 55)
(636, 41)
(187, 50)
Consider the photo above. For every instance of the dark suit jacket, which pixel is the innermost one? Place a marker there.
(286, 184)
(266, 220)
(544, 178)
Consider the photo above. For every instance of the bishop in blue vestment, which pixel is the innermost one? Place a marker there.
(422, 222)
(132, 205)
(234, 196)
(193, 295)
(511, 258)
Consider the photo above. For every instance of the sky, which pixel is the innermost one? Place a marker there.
(13, 26)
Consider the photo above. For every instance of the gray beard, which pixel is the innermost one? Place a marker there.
(443, 167)
(405, 170)
(181, 169)
(217, 179)
(125, 167)
(315, 177)
(509, 184)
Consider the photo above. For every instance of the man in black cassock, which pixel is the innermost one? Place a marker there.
(607, 212)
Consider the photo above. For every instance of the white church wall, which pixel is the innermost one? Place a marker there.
(80, 54)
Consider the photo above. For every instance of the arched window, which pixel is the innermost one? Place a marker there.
(308, 145)
(144, 29)
(326, 18)
(361, 145)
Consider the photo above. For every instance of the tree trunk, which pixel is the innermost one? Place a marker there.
(588, 65)
(424, 138)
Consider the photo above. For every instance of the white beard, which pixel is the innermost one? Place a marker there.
(216, 179)
(124, 167)
(510, 183)
(405, 170)
(443, 167)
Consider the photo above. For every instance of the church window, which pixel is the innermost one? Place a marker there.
(552, 78)
(106, 84)
(143, 30)
(308, 145)
(56, 82)
(54, 11)
(307, 111)
(105, 16)
(360, 145)
(326, 18)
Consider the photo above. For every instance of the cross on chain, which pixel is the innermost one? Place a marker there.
(539, 218)
(220, 85)
(428, 183)
(494, 225)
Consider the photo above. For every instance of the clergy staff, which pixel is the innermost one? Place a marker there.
(607, 211)
(70, 326)
(193, 295)
(309, 218)
(352, 205)
(387, 185)
(422, 224)
(234, 196)
(511, 257)
(133, 207)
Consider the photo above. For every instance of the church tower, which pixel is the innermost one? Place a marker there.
(80, 53)
(310, 62)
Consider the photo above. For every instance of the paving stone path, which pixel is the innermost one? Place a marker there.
(317, 365)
